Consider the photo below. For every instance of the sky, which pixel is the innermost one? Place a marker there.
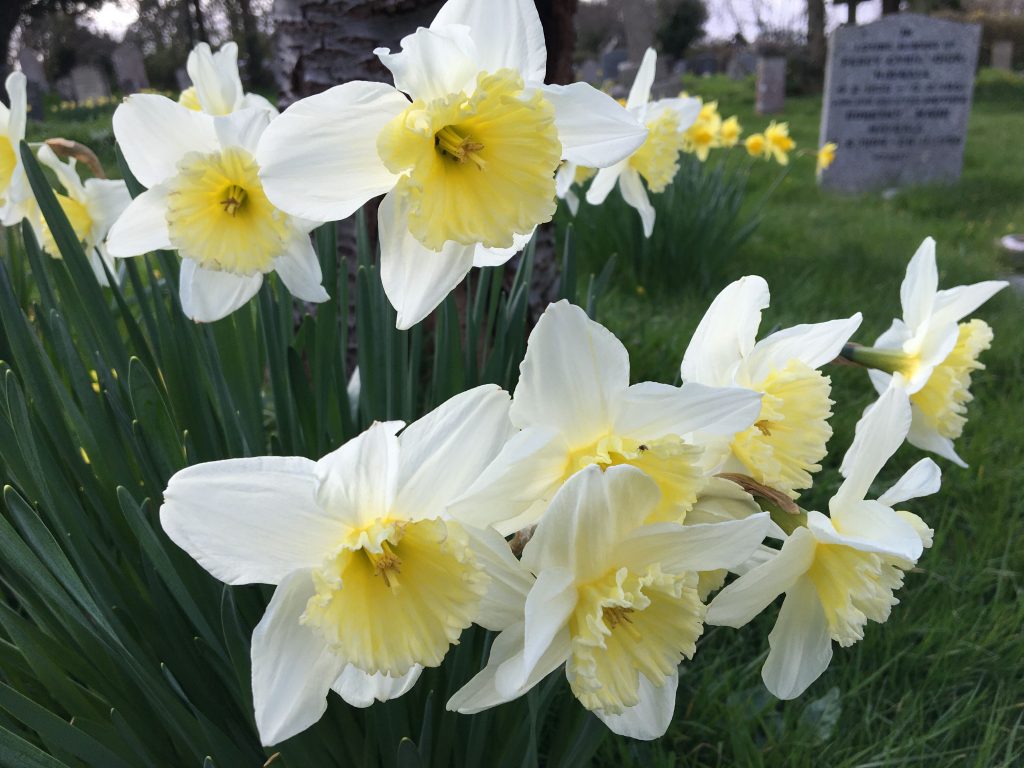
(725, 16)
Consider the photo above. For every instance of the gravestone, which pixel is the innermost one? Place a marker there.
(610, 61)
(703, 64)
(897, 98)
(31, 62)
(89, 82)
(742, 64)
(771, 85)
(65, 88)
(1002, 55)
(589, 72)
(129, 68)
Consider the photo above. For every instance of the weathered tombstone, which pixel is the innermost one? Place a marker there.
(742, 64)
(129, 68)
(182, 79)
(771, 85)
(31, 62)
(897, 98)
(89, 82)
(589, 72)
(704, 64)
(610, 61)
(65, 88)
(1002, 55)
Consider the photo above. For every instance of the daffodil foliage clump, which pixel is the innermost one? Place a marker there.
(224, 544)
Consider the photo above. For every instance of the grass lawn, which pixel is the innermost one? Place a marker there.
(942, 682)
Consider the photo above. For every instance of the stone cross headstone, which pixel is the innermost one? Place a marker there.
(1002, 55)
(129, 68)
(897, 98)
(89, 82)
(771, 85)
(31, 62)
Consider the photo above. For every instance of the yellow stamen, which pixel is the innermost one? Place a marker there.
(234, 198)
(8, 162)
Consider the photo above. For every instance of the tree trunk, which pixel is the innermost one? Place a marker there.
(200, 21)
(255, 69)
(816, 33)
(10, 12)
(890, 7)
(558, 18)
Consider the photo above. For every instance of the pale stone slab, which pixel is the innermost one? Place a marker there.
(771, 85)
(897, 99)
(89, 82)
(129, 68)
(1002, 55)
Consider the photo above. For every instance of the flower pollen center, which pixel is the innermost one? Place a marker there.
(234, 198)
(459, 148)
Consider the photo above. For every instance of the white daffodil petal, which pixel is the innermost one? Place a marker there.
(361, 689)
(923, 436)
(433, 63)
(65, 172)
(879, 433)
(604, 182)
(755, 590)
(549, 605)
(594, 129)
(868, 526)
(292, 666)
(249, 520)
(208, 295)
(813, 344)
(954, 304)
(699, 547)
(687, 110)
(917, 292)
(495, 257)
(652, 716)
(215, 77)
(640, 91)
(98, 257)
(416, 279)
(720, 501)
(299, 269)
(255, 101)
(633, 192)
(17, 93)
(527, 470)
(504, 602)
(588, 518)
(106, 200)
(444, 452)
(801, 647)
(650, 409)
(508, 34)
(319, 159)
(142, 227)
(242, 128)
(154, 133)
(922, 479)
(726, 333)
(573, 371)
(895, 336)
(357, 481)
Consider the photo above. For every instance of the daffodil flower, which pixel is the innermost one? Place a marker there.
(575, 408)
(465, 145)
(837, 571)
(787, 439)
(932, 353)
(706, 132)
(216, 85)
(568, 175)
(656, 161)
(614, 599)
(754, 144)
(777, 142)
(16, 200)
(91, 208)
(826, 155)
(205, 200)
(729, 133)
(374, 579)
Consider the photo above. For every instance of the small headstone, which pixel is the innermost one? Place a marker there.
(31, 62)
(589, 72)
(65, 88)
(89, 82)
(742, 64)
(703, 64)
(897, 98)
(610, 61)
(129, 68)
(1002, 55)
(771, 85)
(34, 100)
